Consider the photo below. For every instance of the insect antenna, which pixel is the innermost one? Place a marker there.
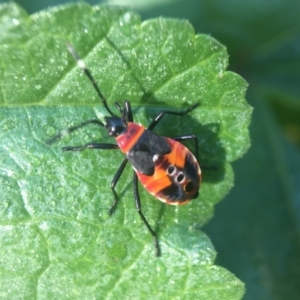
(81, 64)
(69, 130)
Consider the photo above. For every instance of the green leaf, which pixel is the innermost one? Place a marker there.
(269, 239)
(57, 239)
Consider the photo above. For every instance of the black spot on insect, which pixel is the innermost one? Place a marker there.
(189, 187)
(190, 168)
(171, 169)
(180, 177)
(173, 193)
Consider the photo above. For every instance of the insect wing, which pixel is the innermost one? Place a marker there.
(147, 147)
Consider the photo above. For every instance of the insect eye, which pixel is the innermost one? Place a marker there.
(180, 177)
(189, 187)
(171, 170)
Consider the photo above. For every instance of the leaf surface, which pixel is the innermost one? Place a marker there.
(57, 239)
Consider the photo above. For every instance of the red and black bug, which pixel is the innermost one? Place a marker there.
(165, 167)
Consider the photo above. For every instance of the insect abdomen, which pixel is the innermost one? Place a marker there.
(177, 176)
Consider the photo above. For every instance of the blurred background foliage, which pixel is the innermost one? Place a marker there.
(256, 228)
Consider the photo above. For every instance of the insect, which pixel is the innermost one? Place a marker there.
(164, 166)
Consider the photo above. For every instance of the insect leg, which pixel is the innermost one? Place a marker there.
(88, 73)
(113, 184)
(139, 210)
(189, 137)
(169, 112)
(105, 146)
(69, 130)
